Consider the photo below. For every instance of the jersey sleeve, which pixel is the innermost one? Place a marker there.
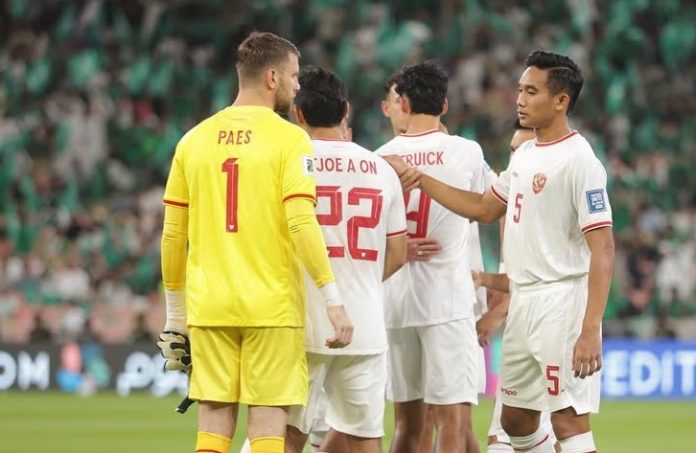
(501, 188)
(298, 170)
(590, 194)
(176, 192)
(489, 176)
(396, 216)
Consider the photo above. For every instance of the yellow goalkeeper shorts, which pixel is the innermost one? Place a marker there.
(262, 366)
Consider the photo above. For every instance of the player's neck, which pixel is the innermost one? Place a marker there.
(420, 123)
(554, 131)
(325, 133)
(248, 97)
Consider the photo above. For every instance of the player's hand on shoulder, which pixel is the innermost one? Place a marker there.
(587, 354)
(176, 350)
(343, 327)
(409, 176)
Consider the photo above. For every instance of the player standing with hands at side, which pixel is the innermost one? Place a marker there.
(241, 194)
(559, 253)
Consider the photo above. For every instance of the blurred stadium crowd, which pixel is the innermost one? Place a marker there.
(95, 94)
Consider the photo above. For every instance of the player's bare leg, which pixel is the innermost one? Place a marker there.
(525, 431)
(466, 429)
(363, 444)
(335, 442)
(295, 440)
(267, 425)
(572, 428)
(426, 441)
(448, 421)
(409, 418)
(216, 425)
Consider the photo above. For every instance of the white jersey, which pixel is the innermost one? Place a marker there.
(555, 192)
(359, 205)
(440, 290)
(474, 246)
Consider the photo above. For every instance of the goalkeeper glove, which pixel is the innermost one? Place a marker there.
(176, 350)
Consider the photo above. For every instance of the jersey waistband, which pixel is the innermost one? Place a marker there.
(549, 286)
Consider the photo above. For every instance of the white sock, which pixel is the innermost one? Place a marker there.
(582, 443)
(499, 447)
(538, 442)
(246, 448)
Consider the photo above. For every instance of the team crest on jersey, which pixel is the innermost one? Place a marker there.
(538, 182)
(308, 165)
(595, 201)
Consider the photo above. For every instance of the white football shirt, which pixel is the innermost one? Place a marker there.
(474, 246)
(439, 290)
(555, 192)
(359, 205)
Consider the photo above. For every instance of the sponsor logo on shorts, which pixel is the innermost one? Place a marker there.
(509, 392)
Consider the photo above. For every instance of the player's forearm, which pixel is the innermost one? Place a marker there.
(395, 256)
(599, 278)
(462, 202)
(173, 256)
(498, 282)
(308, 240)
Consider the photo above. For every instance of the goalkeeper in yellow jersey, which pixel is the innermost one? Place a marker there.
(241, 196)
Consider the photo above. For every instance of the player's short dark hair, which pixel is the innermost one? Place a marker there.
(563, 73)
(425, 86)
(393, 80)
(322, 97)
(261, 50)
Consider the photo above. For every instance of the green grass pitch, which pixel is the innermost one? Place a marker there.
(35, 422)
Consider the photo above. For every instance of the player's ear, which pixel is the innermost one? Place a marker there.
(562, 101)
(271, 78)
(384, 105)
(445, 107)
(346, 111)
(405, 105)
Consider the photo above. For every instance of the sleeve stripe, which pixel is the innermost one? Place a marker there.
(300, 195)
(594, 226)
(175, 203)
(498, 196)
(396, 233)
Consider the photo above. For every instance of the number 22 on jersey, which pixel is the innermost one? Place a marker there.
(335, 215)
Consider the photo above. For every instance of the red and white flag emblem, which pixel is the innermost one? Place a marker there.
(538, 182)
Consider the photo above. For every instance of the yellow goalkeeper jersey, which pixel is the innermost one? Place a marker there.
(233, 172)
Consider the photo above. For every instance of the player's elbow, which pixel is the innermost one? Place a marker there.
(485, 215)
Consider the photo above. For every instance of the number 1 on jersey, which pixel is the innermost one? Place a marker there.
(231, 167)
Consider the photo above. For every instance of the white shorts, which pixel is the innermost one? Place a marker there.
(496, 429)
(354, 387)
(542, 327)
(440, 364)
